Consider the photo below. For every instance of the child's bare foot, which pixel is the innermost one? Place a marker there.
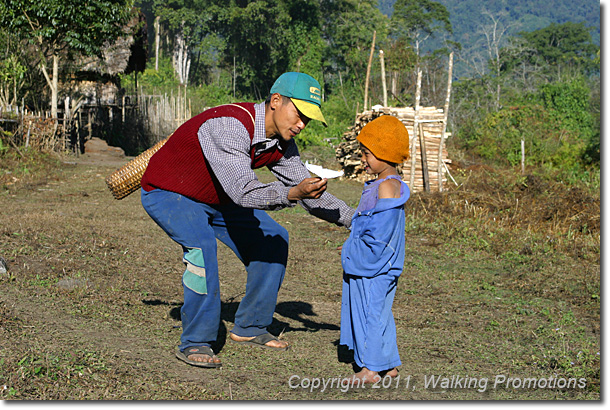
(367, 376)
(392, 373)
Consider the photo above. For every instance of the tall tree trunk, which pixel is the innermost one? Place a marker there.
(157, 40)
(52, 83)
(54, 86)
(181, 58)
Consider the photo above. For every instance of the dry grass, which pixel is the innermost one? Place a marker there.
(89, 308)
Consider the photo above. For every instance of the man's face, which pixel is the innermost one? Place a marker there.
(288, 121)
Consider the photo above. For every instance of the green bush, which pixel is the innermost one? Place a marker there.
(164, 79)
(498, 136)
(205, 96)
(568, 103)
(555, 123)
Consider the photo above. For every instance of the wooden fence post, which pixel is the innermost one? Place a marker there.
(368, 72)
(385, 89)
(415, 127)
(522, 157)
(446, 113)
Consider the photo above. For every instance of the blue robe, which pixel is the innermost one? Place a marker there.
(373, 258)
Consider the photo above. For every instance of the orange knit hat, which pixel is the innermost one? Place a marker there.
(387, 138)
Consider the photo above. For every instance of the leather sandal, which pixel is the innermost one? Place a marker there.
(207, 350)
(260, 341)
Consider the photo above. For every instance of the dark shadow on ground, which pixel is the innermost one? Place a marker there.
(295, 310)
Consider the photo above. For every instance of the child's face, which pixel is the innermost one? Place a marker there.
(371, 164)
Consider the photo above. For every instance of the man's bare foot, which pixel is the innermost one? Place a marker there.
(200, 356)
(275, 344)
(203, 358)
(367, 376)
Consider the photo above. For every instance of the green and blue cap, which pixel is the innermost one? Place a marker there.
(304, 91)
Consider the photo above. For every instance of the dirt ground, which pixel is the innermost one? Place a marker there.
(89, 307)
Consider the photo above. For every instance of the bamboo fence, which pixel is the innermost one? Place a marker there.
(136, 121)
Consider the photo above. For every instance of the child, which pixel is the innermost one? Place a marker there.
(373, 255)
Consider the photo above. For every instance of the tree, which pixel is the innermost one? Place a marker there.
(347, 28)
(265, 39)
(12, 69)
(554, 53)
(563, 45)
(494, 34)
(188, 23)
(400, 58)
(65, 28)
(417, 20)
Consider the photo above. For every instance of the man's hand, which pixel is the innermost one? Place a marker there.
(309, 188)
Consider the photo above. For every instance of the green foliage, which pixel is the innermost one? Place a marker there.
(78, 26)
(549, 98)
(181, 14)
(569, 103)
(553, 53)
(412, 18)
(541, 95)
(521, 15)
(3, 147)
(11, 70)
(348, 30)
(163, 79)
(400, 56)
(66, 28)
(12, 74)
(267, 39)
(210, 95)
(561, 44)
(556, 130)
(498, 137)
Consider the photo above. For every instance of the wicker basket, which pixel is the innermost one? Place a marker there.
(126, 179)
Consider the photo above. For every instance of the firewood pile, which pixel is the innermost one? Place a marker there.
(430, 122)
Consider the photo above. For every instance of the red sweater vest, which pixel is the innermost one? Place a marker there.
(180, 165)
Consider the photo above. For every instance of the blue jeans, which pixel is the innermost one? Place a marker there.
(257, 240)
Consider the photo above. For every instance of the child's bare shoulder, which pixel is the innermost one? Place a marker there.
(390, 188)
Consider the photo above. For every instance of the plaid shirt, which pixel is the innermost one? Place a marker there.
(226, 145)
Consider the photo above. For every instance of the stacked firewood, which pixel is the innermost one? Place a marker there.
(430, 122)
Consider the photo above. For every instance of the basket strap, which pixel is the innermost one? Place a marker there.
(246, 110)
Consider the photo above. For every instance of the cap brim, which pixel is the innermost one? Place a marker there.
(309, 110)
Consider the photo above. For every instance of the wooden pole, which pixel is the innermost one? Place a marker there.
(67, 121)
(385, 89)
(415, 130)
(368, 71)
(157, 26)
(424, 158)
(446, 113)
(89, 124)
(522, 157)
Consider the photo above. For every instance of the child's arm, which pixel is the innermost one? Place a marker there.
(390, 188)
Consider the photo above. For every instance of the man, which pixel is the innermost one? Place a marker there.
(201, 186)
